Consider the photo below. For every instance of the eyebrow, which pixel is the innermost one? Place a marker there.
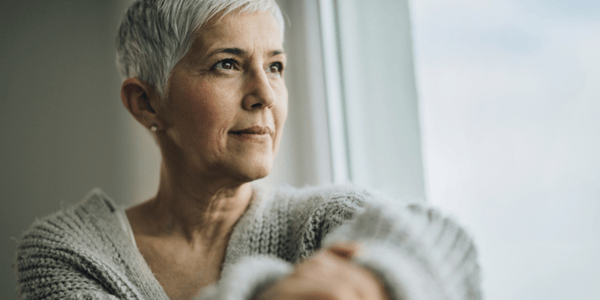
(240, 52)
(276, 52)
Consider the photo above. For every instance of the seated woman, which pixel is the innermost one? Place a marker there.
(207, 78)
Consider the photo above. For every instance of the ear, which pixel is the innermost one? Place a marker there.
(140, 99)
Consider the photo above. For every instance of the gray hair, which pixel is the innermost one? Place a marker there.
(156, 34)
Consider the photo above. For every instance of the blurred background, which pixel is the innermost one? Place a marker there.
(488, 109)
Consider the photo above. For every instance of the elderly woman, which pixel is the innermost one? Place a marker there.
(206, 77)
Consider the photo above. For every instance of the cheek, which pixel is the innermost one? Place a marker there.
(205, 114)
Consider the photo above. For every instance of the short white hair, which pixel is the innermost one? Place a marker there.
(156, 34)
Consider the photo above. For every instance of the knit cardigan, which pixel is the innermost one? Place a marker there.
(82, 252)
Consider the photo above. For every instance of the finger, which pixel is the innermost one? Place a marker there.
(362, 281)
(328, 264)
(341, 275)
(324, 262)
(310, 287)
(345, 250)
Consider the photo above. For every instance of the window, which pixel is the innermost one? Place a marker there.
(510, 106)
(353, 103)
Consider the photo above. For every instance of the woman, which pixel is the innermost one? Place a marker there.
(207, 78)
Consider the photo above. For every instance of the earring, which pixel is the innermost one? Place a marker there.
(153, 128)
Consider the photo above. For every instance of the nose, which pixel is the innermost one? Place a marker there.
(260, 93)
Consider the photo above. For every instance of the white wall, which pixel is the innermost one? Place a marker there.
(381, 106)
(510, 110)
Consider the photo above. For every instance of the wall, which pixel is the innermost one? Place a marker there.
(380, 96)
(60, 113)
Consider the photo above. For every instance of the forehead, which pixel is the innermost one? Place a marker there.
(249, 31)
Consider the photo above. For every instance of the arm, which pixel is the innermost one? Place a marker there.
(407, 247)
(415, 252)
(418, 253)
(328, 274)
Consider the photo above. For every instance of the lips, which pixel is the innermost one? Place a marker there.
(257, 130)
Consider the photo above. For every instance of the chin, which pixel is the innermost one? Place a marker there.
(250, 170)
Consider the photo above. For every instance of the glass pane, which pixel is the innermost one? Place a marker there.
(510, 100)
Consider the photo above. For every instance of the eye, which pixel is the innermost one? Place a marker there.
(225, 64)
(276, 67)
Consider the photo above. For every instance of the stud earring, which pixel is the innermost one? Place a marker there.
(153, 128)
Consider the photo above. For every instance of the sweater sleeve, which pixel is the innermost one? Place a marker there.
(417, 253)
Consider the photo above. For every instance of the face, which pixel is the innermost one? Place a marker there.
(227, 99)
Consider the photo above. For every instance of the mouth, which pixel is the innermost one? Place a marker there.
(256, 134)
(254, 130)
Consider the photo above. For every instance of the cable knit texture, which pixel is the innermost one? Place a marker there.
(81, 252)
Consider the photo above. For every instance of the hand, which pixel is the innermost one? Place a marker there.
(328, 275)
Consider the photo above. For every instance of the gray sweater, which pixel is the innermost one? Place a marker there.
(82, 252)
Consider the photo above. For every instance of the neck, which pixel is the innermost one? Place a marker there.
(199, 211)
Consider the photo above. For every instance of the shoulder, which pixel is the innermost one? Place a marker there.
(72, 223)
(74, 238)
